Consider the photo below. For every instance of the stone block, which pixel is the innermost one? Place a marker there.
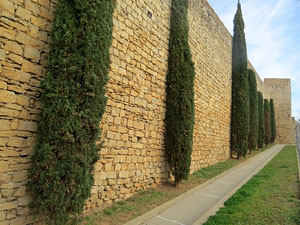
(32, 6)
(24, 201)
(32, 53)
(3, 85)
(2, 216)
(46, 14)
(7, 96)
(8, 112)
(20, 192)
(3, 141)
(23, 100)
(6, 222)
(18, 221)
(23, 13)
(16, 89)
(29, 67)
(34, 31)
(15, 142)
(7, 6)
(4, 178)
(7, 192)
(2, 55)
(45, 3)
(4, 125)
(16, 75)
(15, 58)
(123, 174)
(38, 22)
(8, 205)
(111, 174)
(13, 47)
(23, 38)
(27, 125)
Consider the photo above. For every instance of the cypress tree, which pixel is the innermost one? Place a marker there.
(72, 105)
(267, 122)
(179, 118)
(253, 132)
(240, 89)
(261, 121)
(273, 121)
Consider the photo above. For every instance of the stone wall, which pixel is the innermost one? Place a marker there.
(133, 155)
(280, 91)
(24, 38)
(210, 44)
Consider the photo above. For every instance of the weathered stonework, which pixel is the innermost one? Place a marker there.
(133, 155)
(280, 91)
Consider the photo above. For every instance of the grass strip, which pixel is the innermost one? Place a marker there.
(270, 197)
(122, 211)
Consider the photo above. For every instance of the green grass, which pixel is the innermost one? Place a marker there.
(270, 197)
(131, 205)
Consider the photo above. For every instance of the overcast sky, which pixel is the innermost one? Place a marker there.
(272, 29)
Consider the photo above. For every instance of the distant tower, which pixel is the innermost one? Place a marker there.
(280, 91)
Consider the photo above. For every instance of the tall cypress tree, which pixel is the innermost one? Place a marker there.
(267, 122)
(273, 121)
(261, 121)
(253, 133)
(73, 103)
(180, 94)
(240, 89)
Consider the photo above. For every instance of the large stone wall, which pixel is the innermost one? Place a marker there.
(133, 155)
(280, 91)
(210, 44)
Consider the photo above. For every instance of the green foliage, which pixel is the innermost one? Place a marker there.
(261, 121)
(267, 122)
(240, 112)
(253, 132)
(180, 94)
(73, 103)
(273, 121)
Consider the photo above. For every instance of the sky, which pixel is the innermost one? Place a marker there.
(272, 29)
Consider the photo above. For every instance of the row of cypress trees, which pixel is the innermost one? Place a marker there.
(73, 103)
(252, 117)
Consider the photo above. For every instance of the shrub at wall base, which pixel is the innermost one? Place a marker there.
(73, 103)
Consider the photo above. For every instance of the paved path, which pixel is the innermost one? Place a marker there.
(195, 206)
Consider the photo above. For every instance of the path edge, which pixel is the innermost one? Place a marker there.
(138, 220)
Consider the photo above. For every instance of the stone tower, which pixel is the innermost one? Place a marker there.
(280, 91)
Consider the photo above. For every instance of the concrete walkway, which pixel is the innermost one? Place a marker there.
(195, 206)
